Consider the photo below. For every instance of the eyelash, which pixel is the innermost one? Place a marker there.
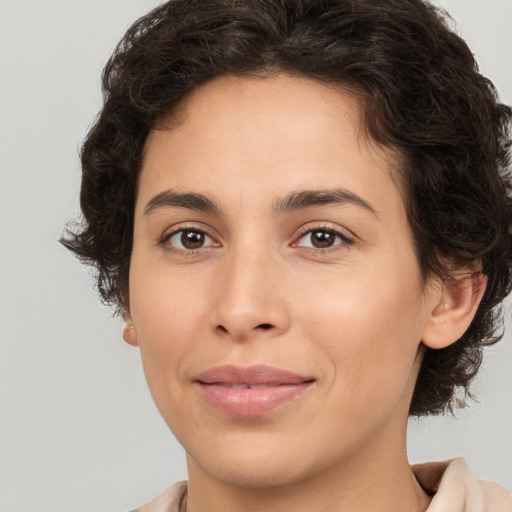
(344, 240)
(186, 252)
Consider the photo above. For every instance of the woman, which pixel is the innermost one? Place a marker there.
(302, 211)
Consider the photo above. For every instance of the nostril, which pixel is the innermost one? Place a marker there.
(241, 332)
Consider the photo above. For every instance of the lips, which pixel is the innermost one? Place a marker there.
(251, 391)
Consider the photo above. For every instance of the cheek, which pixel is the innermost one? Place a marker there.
(368, 334)
(165, 306)
(168, 314)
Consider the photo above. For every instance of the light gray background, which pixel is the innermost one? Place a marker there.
(78, 429)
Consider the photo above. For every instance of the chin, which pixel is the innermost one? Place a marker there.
(251, 464)
(254, 475)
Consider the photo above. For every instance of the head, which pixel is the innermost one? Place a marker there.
(420, 103)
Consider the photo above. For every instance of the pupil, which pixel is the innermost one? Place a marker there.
(322, 239)
(192, 239)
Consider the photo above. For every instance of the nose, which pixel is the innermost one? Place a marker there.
(251, 301)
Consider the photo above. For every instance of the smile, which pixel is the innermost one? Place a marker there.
(251, 392)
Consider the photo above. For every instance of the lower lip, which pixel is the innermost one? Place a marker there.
(250, 403)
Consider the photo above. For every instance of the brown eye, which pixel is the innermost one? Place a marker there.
(322, 239)
(192, 239)
(189, 239)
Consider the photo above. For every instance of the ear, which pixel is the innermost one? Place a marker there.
(451, 307)
(129, 332)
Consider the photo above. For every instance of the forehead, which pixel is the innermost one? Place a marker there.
(245, 138)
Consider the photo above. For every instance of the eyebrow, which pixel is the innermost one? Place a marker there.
(297, 200)
(190, 200)
(310, 198)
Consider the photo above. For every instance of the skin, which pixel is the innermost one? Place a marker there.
(355, 315)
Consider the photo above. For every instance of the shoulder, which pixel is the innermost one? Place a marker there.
(169, 501)
(454, 488)
(496, 497)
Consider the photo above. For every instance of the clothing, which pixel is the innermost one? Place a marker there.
(456, 490)
(452, 484)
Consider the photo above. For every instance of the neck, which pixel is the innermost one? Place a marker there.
(373, 482)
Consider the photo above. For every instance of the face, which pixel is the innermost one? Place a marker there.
(274, 290)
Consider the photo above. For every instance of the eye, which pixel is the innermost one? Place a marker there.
(322, 239)
(189, 239)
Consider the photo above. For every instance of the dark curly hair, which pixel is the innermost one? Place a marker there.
(422, 96)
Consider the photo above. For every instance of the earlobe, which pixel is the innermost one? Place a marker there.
(129, 332)
(453, 304)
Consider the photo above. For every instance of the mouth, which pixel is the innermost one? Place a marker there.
(253, 391)
(240, 386)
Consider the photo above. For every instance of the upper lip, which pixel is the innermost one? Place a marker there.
(251, 375)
